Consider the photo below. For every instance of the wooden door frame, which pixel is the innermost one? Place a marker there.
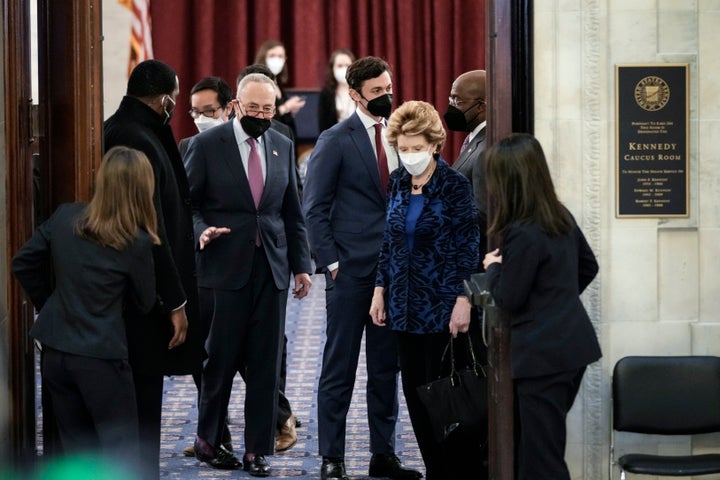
(68, 137)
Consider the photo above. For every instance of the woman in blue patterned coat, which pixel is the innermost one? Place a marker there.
(430, 247)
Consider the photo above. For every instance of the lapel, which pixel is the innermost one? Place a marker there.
(478, 142)
(230, 154)
(368, 157)
(273, 168)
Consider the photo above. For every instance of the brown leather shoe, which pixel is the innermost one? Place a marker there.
(286, 437)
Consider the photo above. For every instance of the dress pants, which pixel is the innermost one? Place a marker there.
(420, 363)
(148, 396)
(94, 402)
(207, 306)
(542, 404)
(348, 303)
(246, 333)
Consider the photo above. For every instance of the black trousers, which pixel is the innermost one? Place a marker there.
(207, 307)
(94, 403)
(148, 396)
(420, 363)
(348, 303)
(541, 407)
(246, 334)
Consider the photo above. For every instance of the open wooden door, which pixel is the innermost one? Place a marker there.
(64, 130)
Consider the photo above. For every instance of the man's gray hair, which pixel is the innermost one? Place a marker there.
(254, 77)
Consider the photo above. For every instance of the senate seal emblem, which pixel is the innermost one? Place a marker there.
(652, 93)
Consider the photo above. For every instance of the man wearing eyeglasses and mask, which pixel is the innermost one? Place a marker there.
(250, 237)
(467, 112)
(155, 341)
(209, 106)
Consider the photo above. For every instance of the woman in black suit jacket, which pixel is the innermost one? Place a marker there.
(101, 257)
(537, 275)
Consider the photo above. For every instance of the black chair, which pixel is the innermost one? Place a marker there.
(666, 396)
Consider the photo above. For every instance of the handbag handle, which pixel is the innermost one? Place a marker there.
(476, 366)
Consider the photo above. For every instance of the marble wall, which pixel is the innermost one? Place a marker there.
(658, 291)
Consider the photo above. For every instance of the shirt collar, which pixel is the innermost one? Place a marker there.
(477, 129)
(368, 121)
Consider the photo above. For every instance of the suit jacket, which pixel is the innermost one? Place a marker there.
(343, 202)
(83, 313)
(221, 197)
(138, 126)
(539, 283)
(422, 284)
(471, 163)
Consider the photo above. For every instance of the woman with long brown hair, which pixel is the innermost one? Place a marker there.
(99, 258)
(542, 266)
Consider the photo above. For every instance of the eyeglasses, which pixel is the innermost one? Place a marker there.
(456, 102)
(256, 111)
(210, 112)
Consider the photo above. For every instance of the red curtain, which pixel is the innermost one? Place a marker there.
(427, 42)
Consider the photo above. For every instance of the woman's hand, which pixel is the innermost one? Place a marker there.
(460, 317)
(377, 307)
(492, 257)
(292, 105)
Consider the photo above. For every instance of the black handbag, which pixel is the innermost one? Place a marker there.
(457, 404)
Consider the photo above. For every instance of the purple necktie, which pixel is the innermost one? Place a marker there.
(465, 143)
(255, 177)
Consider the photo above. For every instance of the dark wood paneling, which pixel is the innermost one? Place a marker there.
(69, 143)
(18, 165)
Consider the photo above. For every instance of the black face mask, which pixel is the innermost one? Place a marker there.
(455, 119)
(380, 106)
(253, 126)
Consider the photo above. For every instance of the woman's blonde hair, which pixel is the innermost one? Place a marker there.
(416, 117)
(123, 200)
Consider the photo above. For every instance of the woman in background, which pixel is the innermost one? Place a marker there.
(537, 275)
(272, 54)
(335, 104)
(100, 255)
(430, 247)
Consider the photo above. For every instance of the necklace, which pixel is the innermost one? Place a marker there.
(418, 186)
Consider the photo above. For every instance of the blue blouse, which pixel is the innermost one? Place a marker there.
(413, 213)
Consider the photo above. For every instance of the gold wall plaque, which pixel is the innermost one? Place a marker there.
(652, 140)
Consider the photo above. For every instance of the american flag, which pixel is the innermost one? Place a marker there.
(141, 36)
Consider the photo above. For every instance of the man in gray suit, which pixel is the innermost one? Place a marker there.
(251, 237)
(467, 112)
(344, 204)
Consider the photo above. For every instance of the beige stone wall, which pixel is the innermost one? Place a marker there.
(116, 52)
(658, 291)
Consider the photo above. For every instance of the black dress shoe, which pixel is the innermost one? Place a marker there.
(389, 466)
(257, 466)
(220, 458)
(333, 469)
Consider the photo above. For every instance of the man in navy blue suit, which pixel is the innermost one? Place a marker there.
(250, 237)
(344, 205)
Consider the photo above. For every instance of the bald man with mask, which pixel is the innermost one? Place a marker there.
(467, 112)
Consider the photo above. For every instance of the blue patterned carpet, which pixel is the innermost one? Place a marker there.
(305, 331)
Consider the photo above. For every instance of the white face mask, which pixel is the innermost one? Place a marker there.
(339, 74)
(415, 162)
(204, 123)
(275, 64)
